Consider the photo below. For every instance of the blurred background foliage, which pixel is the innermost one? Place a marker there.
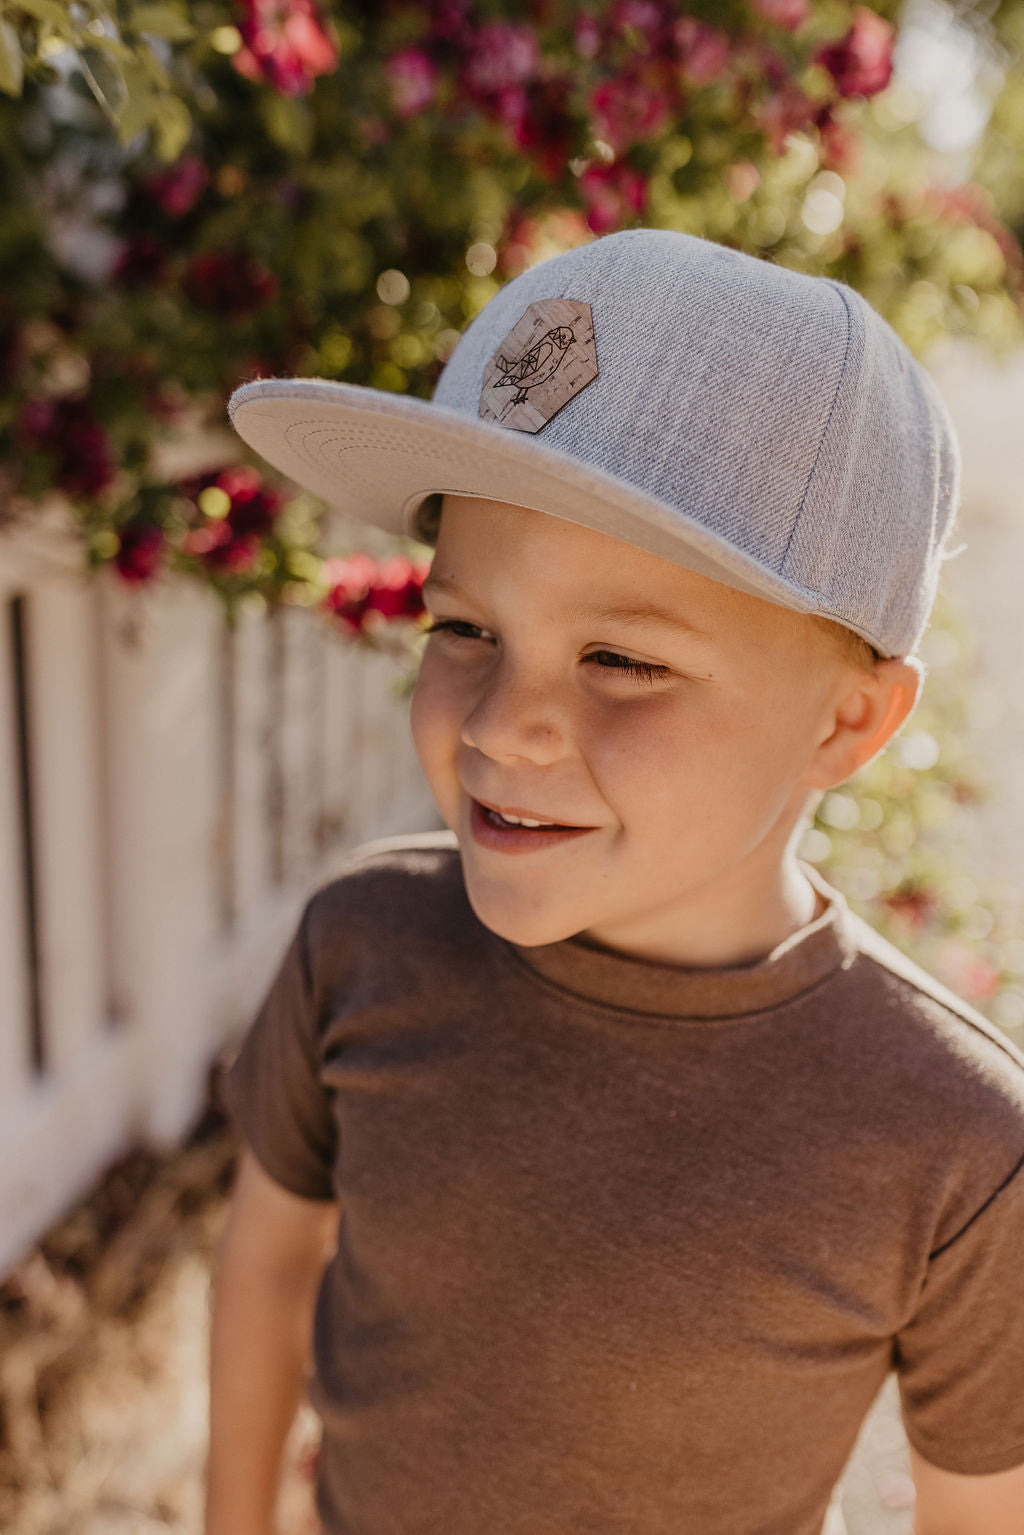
(195, 195)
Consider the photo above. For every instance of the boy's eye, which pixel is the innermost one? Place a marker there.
(643, 671)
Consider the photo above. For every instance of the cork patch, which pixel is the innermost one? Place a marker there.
(547, 357)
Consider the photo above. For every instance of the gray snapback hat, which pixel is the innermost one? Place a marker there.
(755, 424)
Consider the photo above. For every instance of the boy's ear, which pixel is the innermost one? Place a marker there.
(865, 717)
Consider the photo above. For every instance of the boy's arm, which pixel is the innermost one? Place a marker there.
(267, 1270)
(948, 1503)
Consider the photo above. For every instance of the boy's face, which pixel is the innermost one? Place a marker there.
(691, 778)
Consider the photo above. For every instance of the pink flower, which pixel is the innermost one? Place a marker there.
(179, 188)
(702, 51)
(966, 972)
(742, 179)
(139, 551)
(626, 111)
(642, 16)
(861, 63)
(411, 77)
(839, 150)
(612, 193)
(502, 54)
(788, 14)
(586, 36)
(286, 45)
(781, 113)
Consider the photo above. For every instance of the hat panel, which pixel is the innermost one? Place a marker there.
(866, 536)
(716, 373)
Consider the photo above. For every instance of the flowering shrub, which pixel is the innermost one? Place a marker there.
(303, 187)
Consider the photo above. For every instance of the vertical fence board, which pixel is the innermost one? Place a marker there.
(15, 1069)
(64, 724)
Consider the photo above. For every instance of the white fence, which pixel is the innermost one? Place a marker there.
(170, 791)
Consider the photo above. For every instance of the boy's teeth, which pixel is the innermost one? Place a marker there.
(512, 820)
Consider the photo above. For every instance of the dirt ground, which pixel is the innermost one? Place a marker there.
(104, 1332)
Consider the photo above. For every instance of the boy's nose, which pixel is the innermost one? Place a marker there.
(516, 719)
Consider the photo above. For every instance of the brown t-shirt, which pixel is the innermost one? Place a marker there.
(628, 1248)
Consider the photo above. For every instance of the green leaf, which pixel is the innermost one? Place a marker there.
(288, 122)
(50, 11)
(172, 124)
(139, 107)
(12, 68)
(162, 21)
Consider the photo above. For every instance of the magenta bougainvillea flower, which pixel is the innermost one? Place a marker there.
(232, 542)
(861, 62)
(65, 427)
(285, 45)
(179, 188)
(612, 193)
(230, 282)
(360, 585)
(412, 78)
(139, 552)
(788, 14)
(625, 109)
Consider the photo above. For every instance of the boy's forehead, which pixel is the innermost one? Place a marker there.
(581, 573)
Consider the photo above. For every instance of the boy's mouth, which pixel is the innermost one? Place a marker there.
(494, 830)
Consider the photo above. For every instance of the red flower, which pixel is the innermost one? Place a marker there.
(138, 556)
(612, 194)
(179, 188)
(544, 128)
(68, 431)
(349, 587)
(359, 586)
(143, 261)
(286, 45)
(230, 282)
(232, 542)
(396, 589)
(912, 904)
(411, 76)
(861, 62)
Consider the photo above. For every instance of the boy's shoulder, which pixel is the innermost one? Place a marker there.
(409, 884)
(931, 1042)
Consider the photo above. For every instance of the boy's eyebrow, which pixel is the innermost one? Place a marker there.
(593, 612)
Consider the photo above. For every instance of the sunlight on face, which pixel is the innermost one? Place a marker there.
(683, 744)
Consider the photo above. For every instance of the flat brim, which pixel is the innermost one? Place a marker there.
(376, 456)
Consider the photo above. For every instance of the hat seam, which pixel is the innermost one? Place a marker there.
(824, 431)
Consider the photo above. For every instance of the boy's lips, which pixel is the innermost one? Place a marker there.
(532, 815)
(491, 834)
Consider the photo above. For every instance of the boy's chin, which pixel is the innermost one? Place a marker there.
(526, 923)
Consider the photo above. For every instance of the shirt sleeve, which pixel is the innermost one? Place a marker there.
(960, 1359)
(273, 1089)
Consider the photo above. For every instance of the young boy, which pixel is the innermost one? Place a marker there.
(606, 1159)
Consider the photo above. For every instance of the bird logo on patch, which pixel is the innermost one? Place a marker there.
(547, 357)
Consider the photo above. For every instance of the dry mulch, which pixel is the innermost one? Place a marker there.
(104, 1336)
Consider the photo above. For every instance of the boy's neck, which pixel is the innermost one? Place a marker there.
(738, 921)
